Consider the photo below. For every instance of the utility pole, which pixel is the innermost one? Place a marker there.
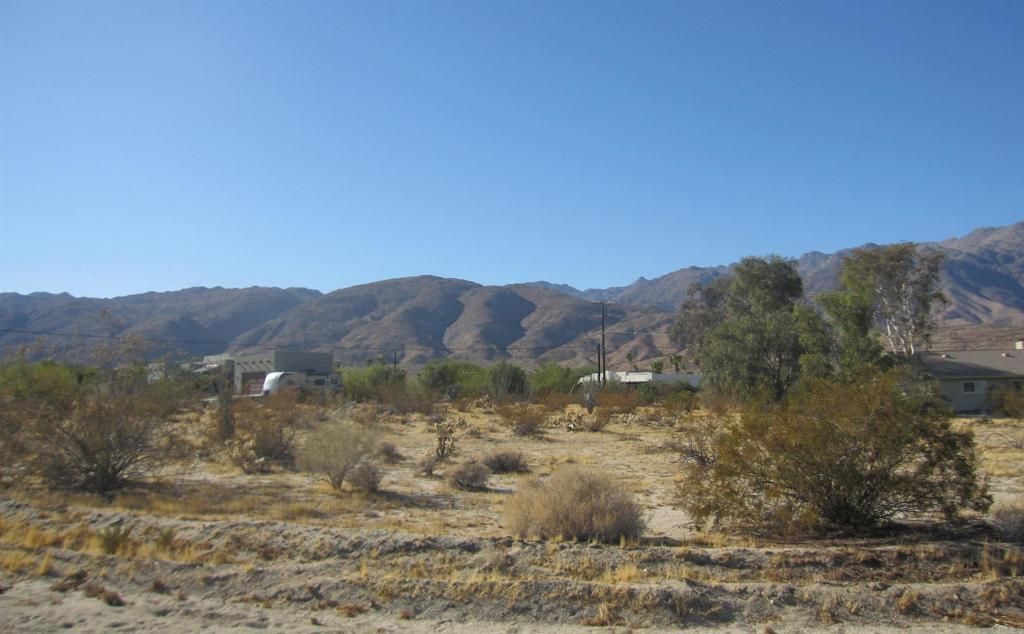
(602, 363)
(394, 364)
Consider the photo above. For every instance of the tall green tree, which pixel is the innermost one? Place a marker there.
(749, 332)
(893, 288)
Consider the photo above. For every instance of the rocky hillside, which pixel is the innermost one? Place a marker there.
(983, 278)
(428, 317)
(193, 321)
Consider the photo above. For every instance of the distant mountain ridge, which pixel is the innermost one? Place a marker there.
(982, 276)
(426, 317)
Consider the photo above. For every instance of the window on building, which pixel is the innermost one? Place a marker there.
(968, 386)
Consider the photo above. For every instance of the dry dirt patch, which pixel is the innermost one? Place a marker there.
(208, 545)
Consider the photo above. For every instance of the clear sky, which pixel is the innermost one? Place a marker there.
(150, 145)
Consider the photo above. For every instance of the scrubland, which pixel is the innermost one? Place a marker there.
(202, 543)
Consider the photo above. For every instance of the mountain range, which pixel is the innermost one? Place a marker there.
(425, 317)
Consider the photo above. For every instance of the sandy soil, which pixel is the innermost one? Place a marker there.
(207, 547)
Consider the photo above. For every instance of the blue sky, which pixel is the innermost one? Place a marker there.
(158, 145)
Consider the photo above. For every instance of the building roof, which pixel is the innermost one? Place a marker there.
(974, 364)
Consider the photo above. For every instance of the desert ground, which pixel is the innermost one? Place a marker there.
(201, 545)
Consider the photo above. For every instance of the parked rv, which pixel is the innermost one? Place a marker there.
(276, 381)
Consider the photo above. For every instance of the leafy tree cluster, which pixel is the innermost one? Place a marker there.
(753, 332)
(750, 333)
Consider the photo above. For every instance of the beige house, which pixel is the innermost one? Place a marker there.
(967, 377)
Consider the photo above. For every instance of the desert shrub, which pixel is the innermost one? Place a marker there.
(598, 420)
(469, 476)
(551, 378)
(454, 378)
(267, 427)
(366, 477)
(387, 452)
(332, 452)
(93, 430)
(507, 381)
(387, 386)
(427, 464)
(522, 419)
(242, 454)
(1008, 399)
(557, 402)
(574, 504)
(506, 462)
(1008, 520)
(446, 438)
(372, 383)
(414, 398)
(834, 455)
(618, 397)
(682, 401)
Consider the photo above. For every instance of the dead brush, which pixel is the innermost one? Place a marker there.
(114, 540)
(111, 598)
(522, 419)
(506, 462)
(1007, 440)
(557, 402)
(997, 561)
(619, 401)
(351, 610)
(908, 603)
(597, 421)
(574, 504)
(388, 453)
(1008, 520)
(469, 476)
(607, 614)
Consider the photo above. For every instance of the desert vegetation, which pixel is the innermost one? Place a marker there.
(827, 476)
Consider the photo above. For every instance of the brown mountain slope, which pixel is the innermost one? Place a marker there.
(421, 318)
(192, 321)
(428, 317)
(983, 277)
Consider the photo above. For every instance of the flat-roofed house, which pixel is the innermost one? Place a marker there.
(967, 377)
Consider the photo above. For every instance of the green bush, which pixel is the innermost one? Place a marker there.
(551, 378)
(650, 393)
(87, 429)
(452, 378)
(372, 383)
(833, 455)
(507, 381)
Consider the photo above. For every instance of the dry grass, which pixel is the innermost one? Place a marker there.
(574, 504)
(506, 462)
(1008, 519)
(622, 583)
